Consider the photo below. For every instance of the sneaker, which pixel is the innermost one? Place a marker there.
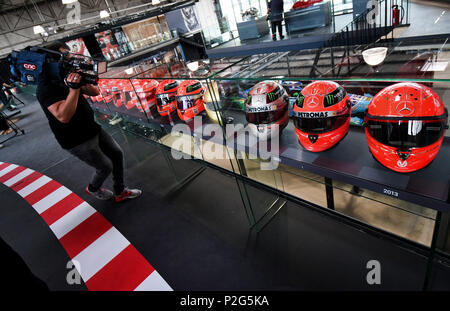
(101, 194)
(128, 194)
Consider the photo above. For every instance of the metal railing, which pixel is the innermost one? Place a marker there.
(366, 29)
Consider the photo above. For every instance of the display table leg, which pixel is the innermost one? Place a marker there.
(437, 223)
(329, 192)
(241, 164)
(356, 190)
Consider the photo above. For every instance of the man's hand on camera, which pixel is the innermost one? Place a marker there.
(90, 90)
(73, 80)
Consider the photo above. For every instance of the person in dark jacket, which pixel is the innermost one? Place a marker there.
(276, 17)
(72, 122)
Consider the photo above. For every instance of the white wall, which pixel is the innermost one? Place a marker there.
(208, 19)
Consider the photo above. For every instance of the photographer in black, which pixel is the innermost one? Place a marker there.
(71, 120)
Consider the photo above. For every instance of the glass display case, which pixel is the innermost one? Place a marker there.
(128, 101)
(345, 178)
(345, 181)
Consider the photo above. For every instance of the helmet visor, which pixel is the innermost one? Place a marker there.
(186, 102)
(320, 125)
(405, 134)
(165, 99)
(266, 117)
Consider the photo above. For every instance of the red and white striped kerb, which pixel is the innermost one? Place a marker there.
(107, 260)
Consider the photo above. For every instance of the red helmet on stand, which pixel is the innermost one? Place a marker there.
(405, 126)
(117, 90)
(321, 115)
(267, 106)
(146, 92)
(190, 99)
(166, 100)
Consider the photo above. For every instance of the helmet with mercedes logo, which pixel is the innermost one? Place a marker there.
(267, 109)
(321, 115)
(405, 126)
(190, 99)
(166, 93)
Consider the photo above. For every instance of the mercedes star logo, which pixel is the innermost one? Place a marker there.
(405, 108)
(313, 101)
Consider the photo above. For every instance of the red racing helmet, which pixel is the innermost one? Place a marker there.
(405, 126)
(166, 100)
(321, 115)
(146, 92)
(190, 99)
(267, 107)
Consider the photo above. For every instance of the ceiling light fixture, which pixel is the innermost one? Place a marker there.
(374, 56)
(155, 2)
(193, 66)
(104, 14)
(68, 1)
(38, 29)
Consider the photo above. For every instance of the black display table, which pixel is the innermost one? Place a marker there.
(350, 161)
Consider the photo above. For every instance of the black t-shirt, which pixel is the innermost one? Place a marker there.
(81, 126)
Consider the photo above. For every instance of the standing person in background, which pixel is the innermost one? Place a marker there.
(275, 13)
(3, 98)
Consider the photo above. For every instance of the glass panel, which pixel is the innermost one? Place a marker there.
(302, 173)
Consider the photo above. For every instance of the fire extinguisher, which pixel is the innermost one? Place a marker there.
(396, 19)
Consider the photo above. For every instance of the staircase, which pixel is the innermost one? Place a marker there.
(367, 29)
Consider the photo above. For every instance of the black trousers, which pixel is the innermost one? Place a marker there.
(276, 24)
(104, 154)
(3, 97)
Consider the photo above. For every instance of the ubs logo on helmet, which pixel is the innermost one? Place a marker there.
(405, 108)
(29, 66)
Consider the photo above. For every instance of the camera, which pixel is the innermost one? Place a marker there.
(86, 67)
(33, 64)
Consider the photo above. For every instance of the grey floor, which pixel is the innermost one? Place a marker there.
(340, 22)
(198, 238)
(428, 18)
